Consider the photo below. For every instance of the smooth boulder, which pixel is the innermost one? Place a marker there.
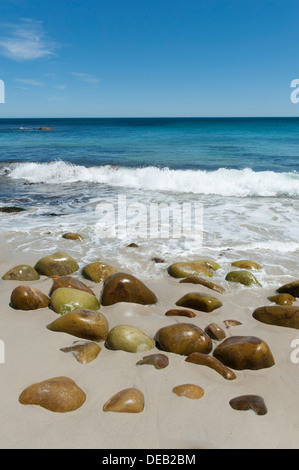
(65, 299)
(59, 264)
(192, 268)
(290, 288)
(98, 271)
(28, 298)
(198, 301)
(203, 282)
(195, 392)
(85, 324)
(278, 315)
(242, 277)
(129, 400)
(122, 287)
(128, 338)
(247, 264)
(69, 282)
(22, 272)
(184, 339)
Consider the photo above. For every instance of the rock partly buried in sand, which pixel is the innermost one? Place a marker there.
(282, 299)
(249, 402)
(69, 282)
(60, 395)
(198, 301)
(184, 339)
(247, 264)
(72, 236)
(84, 352)
(192, 391)
(160, 361)
(193, 268)
(11, 209)
(203, 282)
(130, 400)
(128, 338)
(98, 271)
(158, 260)
(290, 288)
(84, 324)
(65, 299)
(242, 277)
(212, 363)
(244, 352)
(122, 287)
(215, 332)
(132, 245)
(59, 263)
(23, 272)
(229, 323)
(278, 315)
(180, 313)
(28, 298)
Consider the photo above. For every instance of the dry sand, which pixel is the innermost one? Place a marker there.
(32, 354)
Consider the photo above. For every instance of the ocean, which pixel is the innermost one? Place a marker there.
(243, 172)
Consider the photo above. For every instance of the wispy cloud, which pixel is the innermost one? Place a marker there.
(29, 81)
(25, 41)
(86, 78)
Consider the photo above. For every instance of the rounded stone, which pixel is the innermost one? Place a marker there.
(198, 301)
(215, 332)
(129, 400)
(128, 338)
(180, 313)
(65, 299)
(247, 264)
(160, 361)
(244, 352)
(184, 339)
(242, 277)
(192, 268)
(22, 272)
(85, 324)
(249, 402)
(60, 395)
(28, 298)
(59, 263)
(203, 282)
(282, 299)
(98, 271)
(192, 391)
(290, 288)
(278, 315)
(69, 282)
(122, 287)
(72, 236)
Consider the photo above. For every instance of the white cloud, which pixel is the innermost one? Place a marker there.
(86, 78)
(29, 81)
(25, 41)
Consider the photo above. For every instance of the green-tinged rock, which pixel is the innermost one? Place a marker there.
(23, 272)
(129, 338)
(59, 264)
(98, 271)
(11, 209)
(247, 264)
(242, 277)
(65, 300)
(184, 339)
(290, 288)
(201, 302)
(84, 324)
(193, 268)
(244, 352)
(282, 299)
(122, 287)
(70, 282)
(278, 315)
(203, 282)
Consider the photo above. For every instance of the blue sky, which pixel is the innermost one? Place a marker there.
(128, 58)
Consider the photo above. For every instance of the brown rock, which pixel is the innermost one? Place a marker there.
(69, 281)
(198, 301)
(290, 288)
(249, 402)
(22, 272)
(215, 332)
(130, 400)
(28, 298)
(192, 268)
(229, 323)
(72, 236)
(158, 260)
(244, 352)
(122, 287)
(184, 339)
(203, 282)
(132, 245)
(85, 324)
(60, 395)
(84, 352)
(278, 315)
(180, 313)
(212, 363)
(160, 361)
(59, 263)
(98, 271)
(282, 299)
(189, 391)
(246, 264)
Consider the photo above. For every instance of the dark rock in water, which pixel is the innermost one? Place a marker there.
(132, 245)
(71, 282)
(22, 272)
(72, 236)
(193, 268)
(85, 324)
(98, 271)
(184, 339)
(246, 264)
(215, 332)
(83, 351)
(282, 299)
(11, 210)
(290, 288)
(122, 287)
(198, 301)
(203, 282)
(278, 315)
(60, 395)
(158, 260)
(244, 352)
(249, 402)
(129, 400)
(212, 363)
(59, 263)
(180, 313)
(160, 361)
(28, 298)
(189, 391)
(243, 277)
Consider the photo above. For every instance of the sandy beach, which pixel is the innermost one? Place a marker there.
(168, 421)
